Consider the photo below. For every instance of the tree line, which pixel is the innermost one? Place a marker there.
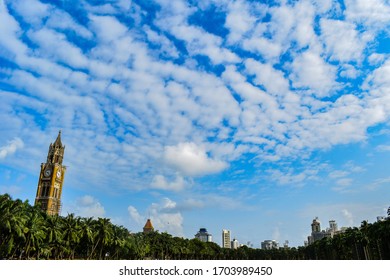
(26, 232)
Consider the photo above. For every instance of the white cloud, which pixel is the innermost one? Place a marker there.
(273, 80)
(378, 80)
(56, 45)
(9, 32)
(344, 182)
(256, 121)
(267, 48)
(201, 42)
(238, 20)
(222, 201)
(276, 234)
(13, 191)
(163, 215)
(103, 9)
(377, 183)
(32, 11)
(325, 5)
(348, 217)
(338, 174)
(311, 72)
(166, 46)
(294, 178)
(191, 204)
(12, 146)
(344, 122)
(61, 20)
(283, 23)
(342, 41)
(135, 215)
(352, 167)
(165, 218)
(349, 71)
(349, 115)
(192, 160)
(289, 25)
(383, 148)
(161, 183)
(376, 58)
(173, 17)
(107, 28)
(375, 13)
(88, 206)
(304, 34)
(192, 105)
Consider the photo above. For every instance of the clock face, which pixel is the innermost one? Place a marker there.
(47, 172)
(58, 174)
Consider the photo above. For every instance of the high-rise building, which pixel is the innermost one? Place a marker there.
(51, 179)
(269, 244)
(203, 235)
(235, 244)
(226, 239)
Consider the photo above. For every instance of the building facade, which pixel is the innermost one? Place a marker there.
(226, 239)
(204, 236)
(235, 244)
(333, 226)
(317, 233)
(51, 179)
(269, 244)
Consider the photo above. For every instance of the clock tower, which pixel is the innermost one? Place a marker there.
(51, 179)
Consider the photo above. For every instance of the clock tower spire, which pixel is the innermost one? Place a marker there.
(51, 179)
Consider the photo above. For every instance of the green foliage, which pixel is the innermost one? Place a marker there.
(28, 233)
(369, 242)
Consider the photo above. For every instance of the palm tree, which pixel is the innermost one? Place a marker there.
(365, 230)
(12, 223)
(71, 234)
(87, 236)
(141, 246)
(152, 239)
(179, 248)
(35, 232)
(103, 235)
(383, 233)
(118, 242)
(54, 236)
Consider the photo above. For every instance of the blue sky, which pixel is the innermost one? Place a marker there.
(253, 116)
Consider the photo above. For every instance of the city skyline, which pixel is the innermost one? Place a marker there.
(254, 116)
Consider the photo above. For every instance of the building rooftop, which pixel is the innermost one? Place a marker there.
(148, 226)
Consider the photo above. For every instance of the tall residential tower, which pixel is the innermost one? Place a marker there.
(226, 239)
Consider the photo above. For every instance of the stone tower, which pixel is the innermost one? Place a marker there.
(51, 179)
(316, 225)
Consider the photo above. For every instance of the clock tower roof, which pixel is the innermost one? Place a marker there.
(56, 151)
(58, 142)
